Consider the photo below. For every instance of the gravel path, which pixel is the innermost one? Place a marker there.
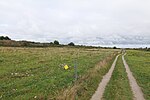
(101, 88)
(138, 94)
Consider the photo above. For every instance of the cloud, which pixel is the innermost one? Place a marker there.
(86, 22)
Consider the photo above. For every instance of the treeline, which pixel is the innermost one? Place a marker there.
(6, 41)
(143, 49)
(13, 43)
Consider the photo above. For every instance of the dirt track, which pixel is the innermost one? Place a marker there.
(138, 94)
(101, 88)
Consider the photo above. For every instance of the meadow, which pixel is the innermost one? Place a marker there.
(38, 73)
(139, 63)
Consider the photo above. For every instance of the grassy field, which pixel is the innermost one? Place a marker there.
(118, 87)
(139, 63)
(37, 73)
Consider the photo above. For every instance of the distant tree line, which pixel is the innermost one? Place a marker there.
(6, 41)
(4, 38)
(56, 42)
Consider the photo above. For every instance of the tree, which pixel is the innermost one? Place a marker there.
(1, 37)
(146, 48)
(114, 47)
(51, 43)
(4, 38)
(7, 38)
(71, 44)
(56, 42)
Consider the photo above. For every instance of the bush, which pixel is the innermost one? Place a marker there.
(114, 47)
(56, 42)
(51, 43)
(71, 44)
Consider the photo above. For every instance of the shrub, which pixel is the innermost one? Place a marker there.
(56, 42)
(114, 47)
(71, 44)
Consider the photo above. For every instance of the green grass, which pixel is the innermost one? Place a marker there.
(118, 87)
(26, 73)
(88, 85)
(139, 63)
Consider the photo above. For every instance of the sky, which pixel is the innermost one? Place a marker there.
(84, 22)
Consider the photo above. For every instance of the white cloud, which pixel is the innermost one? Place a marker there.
(81, 21)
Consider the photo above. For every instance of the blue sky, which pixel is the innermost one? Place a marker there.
(87, 22)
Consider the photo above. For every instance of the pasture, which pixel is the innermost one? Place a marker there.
(38, 73)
